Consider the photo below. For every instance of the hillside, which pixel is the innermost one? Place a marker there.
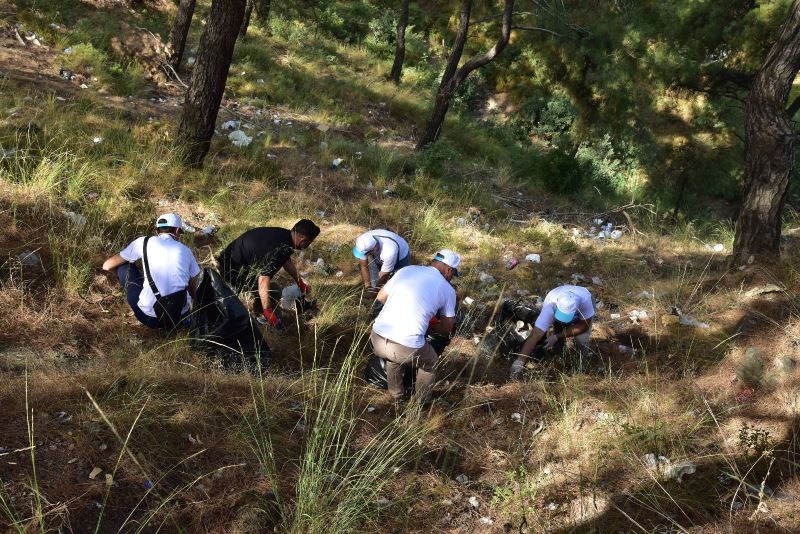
(580, 444)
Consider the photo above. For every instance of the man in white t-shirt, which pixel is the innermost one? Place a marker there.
(380, 253)
(172, 265)
(416, 299)
(569, 311)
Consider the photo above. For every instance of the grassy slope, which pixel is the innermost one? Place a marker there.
(286, 450)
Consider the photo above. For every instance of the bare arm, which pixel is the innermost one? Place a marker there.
(194, 282)
(362, 265)
(263, 290)
(382, 279)
(291, 270)
(113, 262)
(530, 343)
(382, 296)
(576, 329)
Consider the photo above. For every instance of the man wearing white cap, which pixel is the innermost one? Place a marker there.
(380, 253)
(416, 299)
(170, 267)
(569, 311)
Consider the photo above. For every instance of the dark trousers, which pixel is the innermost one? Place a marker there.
(132, 282)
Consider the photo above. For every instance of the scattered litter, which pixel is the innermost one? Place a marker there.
(389, 193)
(646, 295)
(193, 440)
(320, 265)
(624, 349)
(538, 429)
(468, 301)
(616, 234)
(323, 127)
(63, 417)
(473, 501)
(533, 258)
(320, 214)
(370, 409)
(476, 340)
(72, 460)
(603, 416)
(486, 520)
(84, 86)
(577, 277)
(552, 507)
(97, 140)
(760, 290)
(29, 258)
(76, 218)
(461, 221)
(687, 320)
(596, 280)
(523, 292)
(190, 61)
(239, 138)
(289, 295)
(148, 485)
(516, 417)
(650, 461)
(383, 502)
(462, 479)
(96, 471)
(339, 274)
(486, 278)
(637, 315)
(614, 316)
(230, 125)
(7, 152)
(510, 264)
(102, 447)
(208, 230)
(109, 479)
(54, 26)
(719, 247)
(188, 228)
(335, 163)
(260, 81)
(677, 470)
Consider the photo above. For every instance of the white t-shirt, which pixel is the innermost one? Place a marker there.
(391, 249)
(171, 263)
(415, 294)
(585, 306)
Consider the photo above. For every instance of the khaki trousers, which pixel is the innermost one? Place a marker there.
(396, 356)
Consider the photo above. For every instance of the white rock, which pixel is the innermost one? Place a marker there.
(239, 138)
(533, 258)
(462, 479)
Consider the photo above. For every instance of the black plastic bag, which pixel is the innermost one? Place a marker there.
(221, 326)
(505, 341)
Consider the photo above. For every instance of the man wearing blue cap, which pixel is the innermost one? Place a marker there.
(380, 253)
(170, 271)
(568, 310)
(416, 299)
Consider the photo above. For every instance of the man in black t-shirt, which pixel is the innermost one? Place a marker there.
(253, 259)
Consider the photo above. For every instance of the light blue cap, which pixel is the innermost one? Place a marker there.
(358, 254)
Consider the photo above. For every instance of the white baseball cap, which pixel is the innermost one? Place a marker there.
(364, 243)
(566, 306)
(172, 220)
(449, 258)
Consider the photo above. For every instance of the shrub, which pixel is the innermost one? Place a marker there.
(561, 173)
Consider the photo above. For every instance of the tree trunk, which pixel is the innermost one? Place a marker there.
(400, 45)
(453, 76)
(248, 12)
(769, 147)
(180, 29)
(262, 10)
(207, 86)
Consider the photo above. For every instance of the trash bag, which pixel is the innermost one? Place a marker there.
(506, 338)
(375, 373)
(221, 326)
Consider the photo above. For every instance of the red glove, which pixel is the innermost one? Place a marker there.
(272, 318)
(304, 287)
(433, 322)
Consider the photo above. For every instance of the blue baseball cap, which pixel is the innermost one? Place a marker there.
(566, 306)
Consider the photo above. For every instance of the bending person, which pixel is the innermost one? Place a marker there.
(568, 310)
(251, 261)
(380, 253)
(171, 264)
(415, 299)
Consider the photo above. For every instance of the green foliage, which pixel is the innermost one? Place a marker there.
(754, 441)
(439, 159)
(561, 173)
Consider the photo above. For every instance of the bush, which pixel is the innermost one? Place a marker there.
(561, 173)
(438, 159)
(381, 38)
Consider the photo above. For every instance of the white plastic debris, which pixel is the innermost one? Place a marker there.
(208, 230)
(84, 86)
(516, 417)
(486, 278)
(230, 125)
(596, 280)
(578, 277)
(677, 470)
(646, 295)
(190, 61)
(688, 320)
(486, 520)
(603, 416)
(272, 156)
(370, 409)
(462, 479)
(624, 349)
(260, 81)
(76, 218)
(7, 152)
(468, 301)
(719, 247)
(533, 258)
(474, 502)
(188, 228)
(96, 471)
(476, 339)
(637, 315)
(339, 274)
(552, 507)
(29, 258)
(614, 316)
(523, 292)
(336, 162)
(289, 295)
(239, 138)
(650, 461)
(97, 140)
(616, 234)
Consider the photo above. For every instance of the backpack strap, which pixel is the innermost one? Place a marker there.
(397, 260)
(153, 287)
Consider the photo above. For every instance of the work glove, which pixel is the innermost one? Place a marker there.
(517, 367)
(550, 342)
(433, 322)
(272, 318)
(304, 287)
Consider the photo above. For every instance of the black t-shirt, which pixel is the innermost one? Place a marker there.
(260, 251)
